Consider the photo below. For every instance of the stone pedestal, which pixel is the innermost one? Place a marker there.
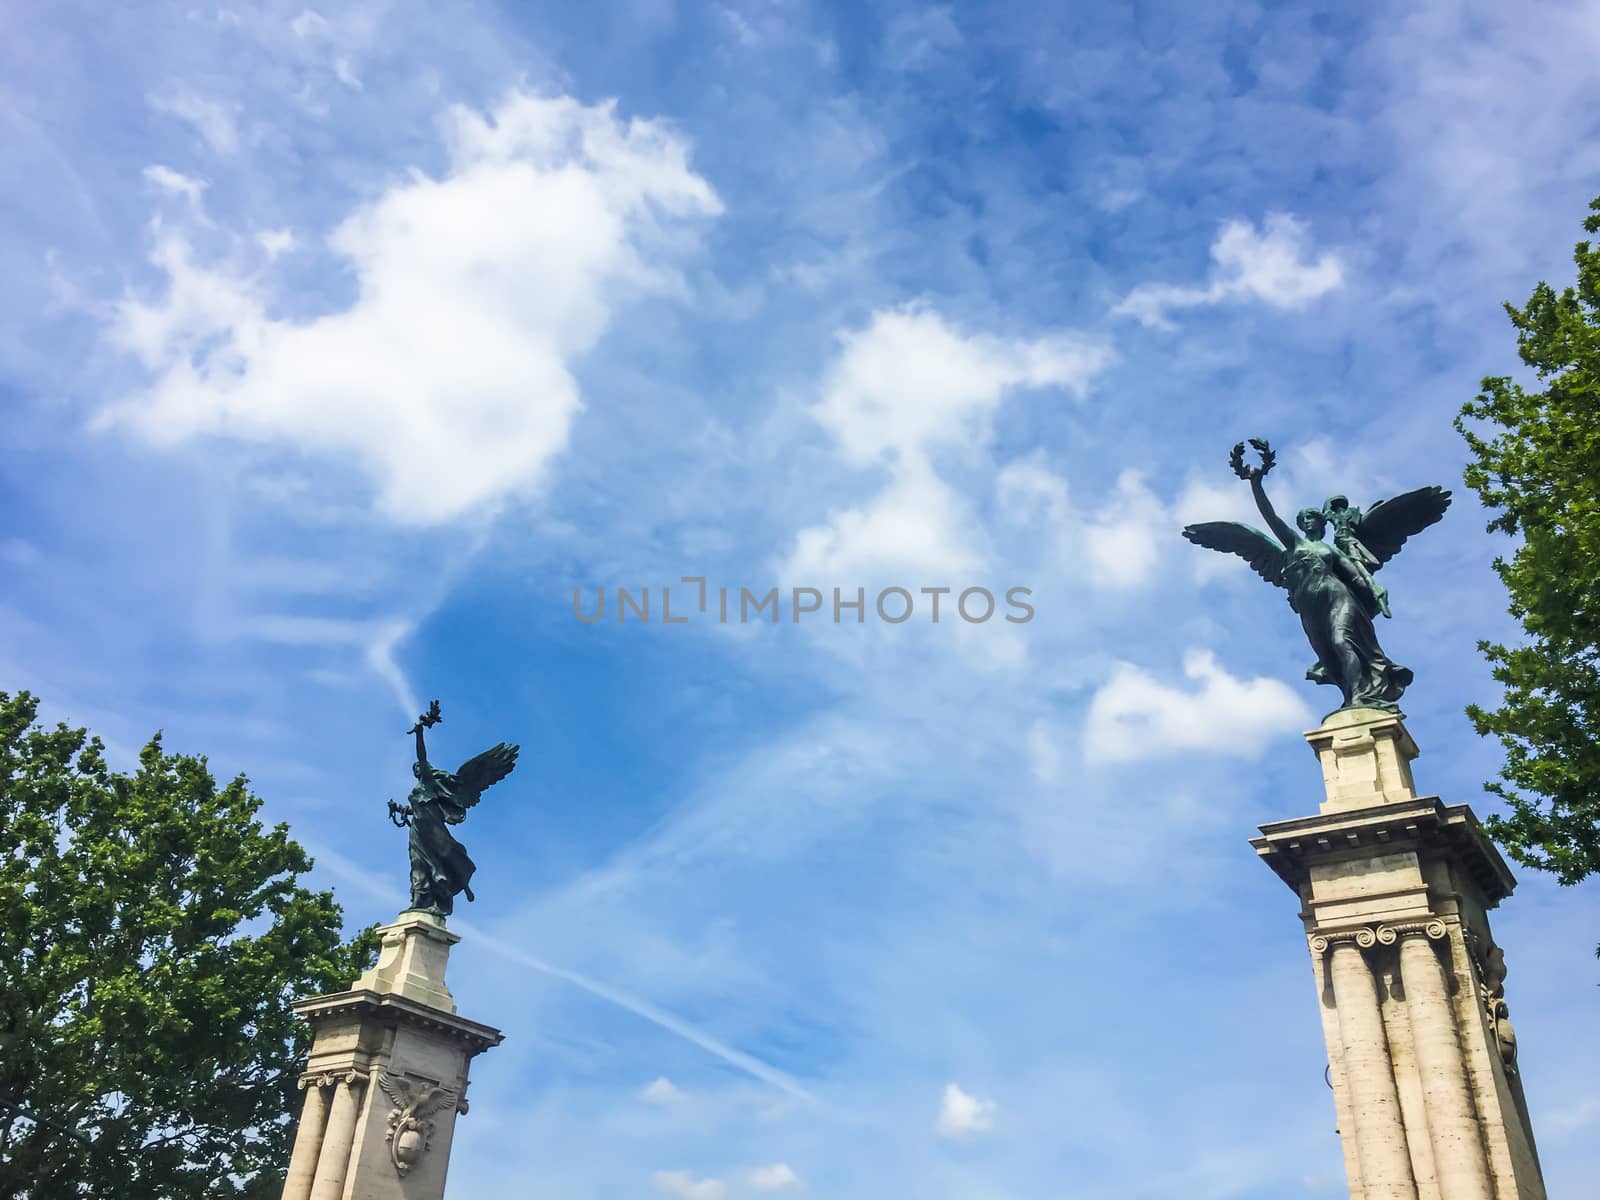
(1395, 892)
(387, 1075)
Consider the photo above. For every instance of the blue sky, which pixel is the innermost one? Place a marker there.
(342, 343)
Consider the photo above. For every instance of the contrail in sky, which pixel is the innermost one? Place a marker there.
(766, 1073)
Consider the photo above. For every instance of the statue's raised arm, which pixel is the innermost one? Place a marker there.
(1254, 476)
(426, 721)
(1330, 586)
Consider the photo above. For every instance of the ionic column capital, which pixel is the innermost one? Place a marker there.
(1385, 933)
(327, 1079)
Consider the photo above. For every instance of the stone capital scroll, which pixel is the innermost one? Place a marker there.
(1385, 934)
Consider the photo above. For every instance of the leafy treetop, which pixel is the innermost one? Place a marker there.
(152, 936)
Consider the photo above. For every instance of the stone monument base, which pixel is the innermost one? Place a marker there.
(1395, 892)
(387, 1075)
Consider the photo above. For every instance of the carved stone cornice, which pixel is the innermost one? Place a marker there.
(391, 1009)
(1291, 848)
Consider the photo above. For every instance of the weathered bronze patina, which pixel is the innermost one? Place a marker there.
(439, 864)
(1331, 587)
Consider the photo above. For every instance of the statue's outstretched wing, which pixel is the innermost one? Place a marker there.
(479, 772)
(1388, 523)
(1262, 552)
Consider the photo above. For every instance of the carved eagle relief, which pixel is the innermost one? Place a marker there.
(415, 1101)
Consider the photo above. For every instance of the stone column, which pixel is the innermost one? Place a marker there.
(401, 1052)
(1382, 876)
(1380, 1133)
(334, 1161)
(307, 1142)
(1453, 1125)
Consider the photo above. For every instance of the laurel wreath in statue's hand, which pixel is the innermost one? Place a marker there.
(1250, 474)
(428, 719)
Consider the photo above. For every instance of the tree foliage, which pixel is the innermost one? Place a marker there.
(1537, 466)
(152, 936)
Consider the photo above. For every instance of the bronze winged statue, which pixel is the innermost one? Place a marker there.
(439, 864)
(1331, 587)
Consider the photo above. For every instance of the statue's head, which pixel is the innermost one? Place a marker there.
(1312, 523)
(416, 769)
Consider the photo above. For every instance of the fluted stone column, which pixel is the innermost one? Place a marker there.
(1425, 1078)
(334, 1161)
(1380, 1131)
(1453, 1126)
(307, 1142)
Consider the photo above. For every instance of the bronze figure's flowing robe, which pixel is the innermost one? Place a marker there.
(439, 864)
(1334, 612)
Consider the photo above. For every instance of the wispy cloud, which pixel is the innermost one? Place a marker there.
(1272, 265)
(740, 864)
(685, 1186)
(773, 1178)
(213, 122)
(962, 1115)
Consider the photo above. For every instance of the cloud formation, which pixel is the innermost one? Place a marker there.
(770, 1179)
(448, 380)
(1135, 716)
(910, 382)
(904, 387)
(685, 1186)
(1272, 265)
(962, 1115)
(210, 120)
(661, 1090)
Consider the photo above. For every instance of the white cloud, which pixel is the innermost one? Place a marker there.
(381, 644)
(1123, 542)
(661, 1090)
(174, 183)
(1027, 490)
(903, 387)
(309, 23)
(346, 74)
(1272, 265)
(917, 526)
(1135, 716)
(447, 381)
(684, 1186)
(1118, 547)
(743, 30)
(961, 1115)
(921, 38)
(276, 241)
(909, 382)
(213, 122)
(770, 1179)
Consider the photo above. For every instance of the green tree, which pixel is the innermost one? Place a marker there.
(152, 936)
(1536, 465)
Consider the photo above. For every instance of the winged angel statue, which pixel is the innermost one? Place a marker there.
(439, 864)
(1331, 587)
